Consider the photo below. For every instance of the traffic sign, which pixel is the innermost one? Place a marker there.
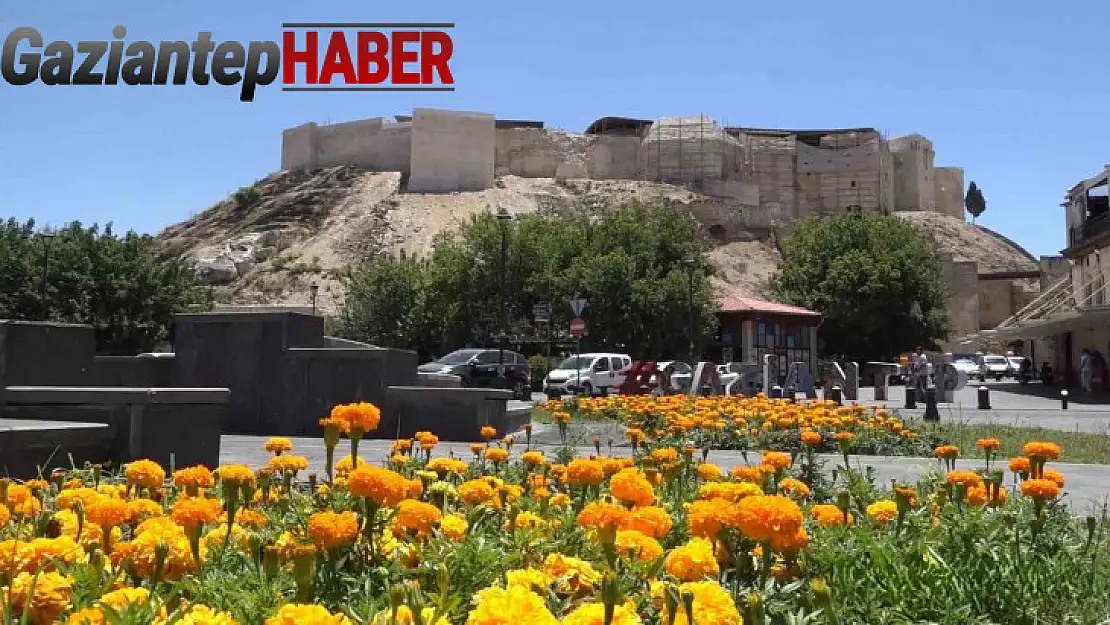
(577, 327)
(577, 306)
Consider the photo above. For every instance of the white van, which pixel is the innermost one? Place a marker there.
(589, 374)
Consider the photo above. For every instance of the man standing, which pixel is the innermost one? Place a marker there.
(1086, 371)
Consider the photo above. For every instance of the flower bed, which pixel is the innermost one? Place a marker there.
(511, 536)
(733, 422)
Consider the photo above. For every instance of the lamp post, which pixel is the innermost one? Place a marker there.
(313, 290)
(503, 217)
(47, 238)
(692, 330)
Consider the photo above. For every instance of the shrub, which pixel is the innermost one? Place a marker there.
(539, 366)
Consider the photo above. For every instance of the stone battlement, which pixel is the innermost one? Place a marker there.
(779, 174)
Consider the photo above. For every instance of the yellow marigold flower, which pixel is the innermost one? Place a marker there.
(571, 575)
(87, 616)
(514, 605)
(50, 597)
(333, 529)
(496, 454)
(108, 512)
(650, 520)
(602, 515)
(299, 614)
(405, 617)
(282, 464)
(416, 517)
(708, 471)
(970, 479)
(345, 465)
(5, 515)
(692, 561)
(532, 579)
(827, 514)
(777, 460)
(988, 444)
(277, 445)
(123, 597)
(594, 614)
(453, 527)
(68, 498)
(145, 474)
(792, 486)
(712, 605)
(384, 487)
(236, 474)
(197, 614)
(560, 500)
(630, 543)
(664, 455)
(359, 418)
(474, 492)
(730, 491)
(527, 520)
(811, 438)
(1041, 449)
(194, 512)
(631, 486)
(882, 512)
(1020, 465)
(1040, 489)
(533, 458)
(446, 465)
(198, 477)
(142, 552)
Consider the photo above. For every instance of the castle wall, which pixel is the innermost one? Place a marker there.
(451, 151)
(772, 163)
(375, 144)
(831, 180)
(914, 184)
(298, 147)
(962, 281)
(949, 191)
(615, 157)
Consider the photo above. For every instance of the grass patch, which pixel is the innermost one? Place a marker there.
(1081, 447)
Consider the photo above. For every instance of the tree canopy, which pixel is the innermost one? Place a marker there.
(118, 284)
(974, 201)
(877, 280)
(641, 268)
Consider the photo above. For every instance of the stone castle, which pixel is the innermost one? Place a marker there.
(767, 177)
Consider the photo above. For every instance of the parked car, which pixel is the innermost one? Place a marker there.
(996, 367)
(589, 374)
(969, 365)
(1015, 364)
(479, 368)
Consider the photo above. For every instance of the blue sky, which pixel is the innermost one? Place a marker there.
(1016, 93)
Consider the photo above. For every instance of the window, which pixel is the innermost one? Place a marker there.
(616, 362)
(601, 364)
(491, 358)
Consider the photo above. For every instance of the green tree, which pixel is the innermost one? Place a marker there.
(641, 267)
(386, 300)
(974, 201)
(117, 284)
(876, 279)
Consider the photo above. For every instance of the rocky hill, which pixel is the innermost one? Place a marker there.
(268, 242)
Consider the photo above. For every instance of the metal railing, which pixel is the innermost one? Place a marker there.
(1092, 227)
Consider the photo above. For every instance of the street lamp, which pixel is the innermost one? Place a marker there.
(313, 290)
(503, 218)
(47, 238)
(691, 264)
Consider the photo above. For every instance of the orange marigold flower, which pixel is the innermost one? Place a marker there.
(145, 474)
(777, 460)
(197, 477)
(193, 512)
(1040, 489)
(793, 486)
(48, 599)
(693, 561)
(283, 464)
(384, 487)
(709, 472)
(1020, 464)
(827, 514)
(988, 444)
(301, 614)
(487, 432)
(496, 454)
(333, 529)
(650, 520)
(1055, 476)
(748, 474)
(248, 518)
(705, 517)
(970, 479)
(582, 472)
(236, 474)
(108, 512)
(637, 545)
(360, 417)
(474, 492)
(533, 458)
(844, 436)
(631, 486)
(947, 452)
(602, 515)
(761, 517)
(416, 517)
(811, 438)
(1041, 449)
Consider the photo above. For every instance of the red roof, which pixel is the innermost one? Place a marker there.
(737, 303)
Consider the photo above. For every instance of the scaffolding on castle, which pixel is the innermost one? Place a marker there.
(692, 150)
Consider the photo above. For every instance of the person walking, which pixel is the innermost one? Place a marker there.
(1086, 372)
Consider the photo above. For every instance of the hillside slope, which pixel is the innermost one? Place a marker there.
(268, 242)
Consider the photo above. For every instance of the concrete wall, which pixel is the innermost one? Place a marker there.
(376, 144)
(949, 191)
(451, 151)
(962, 280)
(995, 302)
(46, 354)
(1053, 268)
(1088, 274)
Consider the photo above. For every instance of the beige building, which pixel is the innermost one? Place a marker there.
(1074, 313)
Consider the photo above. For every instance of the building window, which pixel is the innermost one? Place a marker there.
(789, 342)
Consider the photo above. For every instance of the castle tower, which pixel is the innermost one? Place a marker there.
(914, 178)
